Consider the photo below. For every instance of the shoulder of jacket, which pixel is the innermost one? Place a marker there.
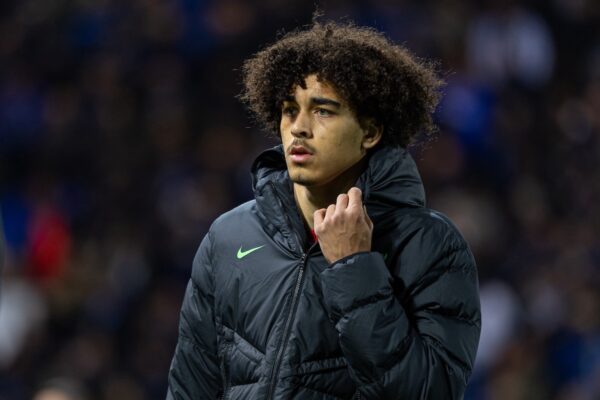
(232, 217)
(429, 237)
(219, 231)
(433, 224)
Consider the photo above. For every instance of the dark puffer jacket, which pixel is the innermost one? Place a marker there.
(266, 317)
(1, 250)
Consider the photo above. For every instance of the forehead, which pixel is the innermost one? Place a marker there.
(315, 88)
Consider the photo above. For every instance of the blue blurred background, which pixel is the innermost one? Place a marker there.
(121, 140)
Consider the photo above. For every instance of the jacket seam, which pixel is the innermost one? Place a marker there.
(459, 363)
(183, 334)
(253, 361)
(317, 391)
(244, 384)
(193, 342)
(188, 339)
(211, 264)
(244, 339)
(376, 298)
(396, 353)
(451, 250)
(427, 341)
(462, 268)
(322, 360)
(316, 371)
(455, 317)
(431, 342)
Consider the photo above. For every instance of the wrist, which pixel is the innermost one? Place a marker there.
(341, 260)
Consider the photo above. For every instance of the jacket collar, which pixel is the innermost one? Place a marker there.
(390, 181)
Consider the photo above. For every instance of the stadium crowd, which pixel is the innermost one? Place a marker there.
(121, 139)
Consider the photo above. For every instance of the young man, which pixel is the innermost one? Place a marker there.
(336, 282)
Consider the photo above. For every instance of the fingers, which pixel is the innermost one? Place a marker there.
(341, 204)
(354, 197)
(367, 218)
(318, 217)
(330, 211)
(352, 201)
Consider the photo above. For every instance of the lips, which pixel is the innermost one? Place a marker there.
(299, 150)
(300, 154)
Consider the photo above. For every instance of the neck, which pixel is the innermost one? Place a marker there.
(313, 198)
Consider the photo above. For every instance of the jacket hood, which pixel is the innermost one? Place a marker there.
(390, 181)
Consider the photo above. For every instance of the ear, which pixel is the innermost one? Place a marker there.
(372, 133)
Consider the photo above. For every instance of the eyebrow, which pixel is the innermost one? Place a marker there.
(318, 101)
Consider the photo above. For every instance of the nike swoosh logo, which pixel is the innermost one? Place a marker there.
(241, 254)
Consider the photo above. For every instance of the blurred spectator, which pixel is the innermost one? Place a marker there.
(61, 389)
(510, 42)
(22, 310)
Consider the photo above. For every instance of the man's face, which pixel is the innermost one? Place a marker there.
(321, 135)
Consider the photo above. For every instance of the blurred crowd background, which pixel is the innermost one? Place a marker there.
(121, 140)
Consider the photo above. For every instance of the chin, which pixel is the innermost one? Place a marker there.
(302, 179)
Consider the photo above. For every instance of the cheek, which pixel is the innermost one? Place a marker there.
(284, 128)
(285, 137)
(341, 155)
(349, 143)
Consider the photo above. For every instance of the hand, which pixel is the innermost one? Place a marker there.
(344, 228)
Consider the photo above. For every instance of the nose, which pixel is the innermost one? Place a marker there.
(301, 126)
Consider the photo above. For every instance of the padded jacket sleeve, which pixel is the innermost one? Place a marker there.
(194, 372)
(412, 333)
(1, 248)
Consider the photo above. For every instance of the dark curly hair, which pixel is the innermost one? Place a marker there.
(377, 78)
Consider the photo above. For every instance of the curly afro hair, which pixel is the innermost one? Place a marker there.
(377, 78)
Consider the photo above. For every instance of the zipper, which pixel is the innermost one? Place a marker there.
(288, 324)
(226, 377)
(293, 302)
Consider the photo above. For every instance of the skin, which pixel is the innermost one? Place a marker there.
(319, 119)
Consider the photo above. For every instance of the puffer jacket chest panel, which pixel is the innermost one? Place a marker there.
(251, 300)
(254, 278)
(311, 318)
(314, 363)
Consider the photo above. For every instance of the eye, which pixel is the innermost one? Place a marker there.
(289, 111)
(323, 112)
